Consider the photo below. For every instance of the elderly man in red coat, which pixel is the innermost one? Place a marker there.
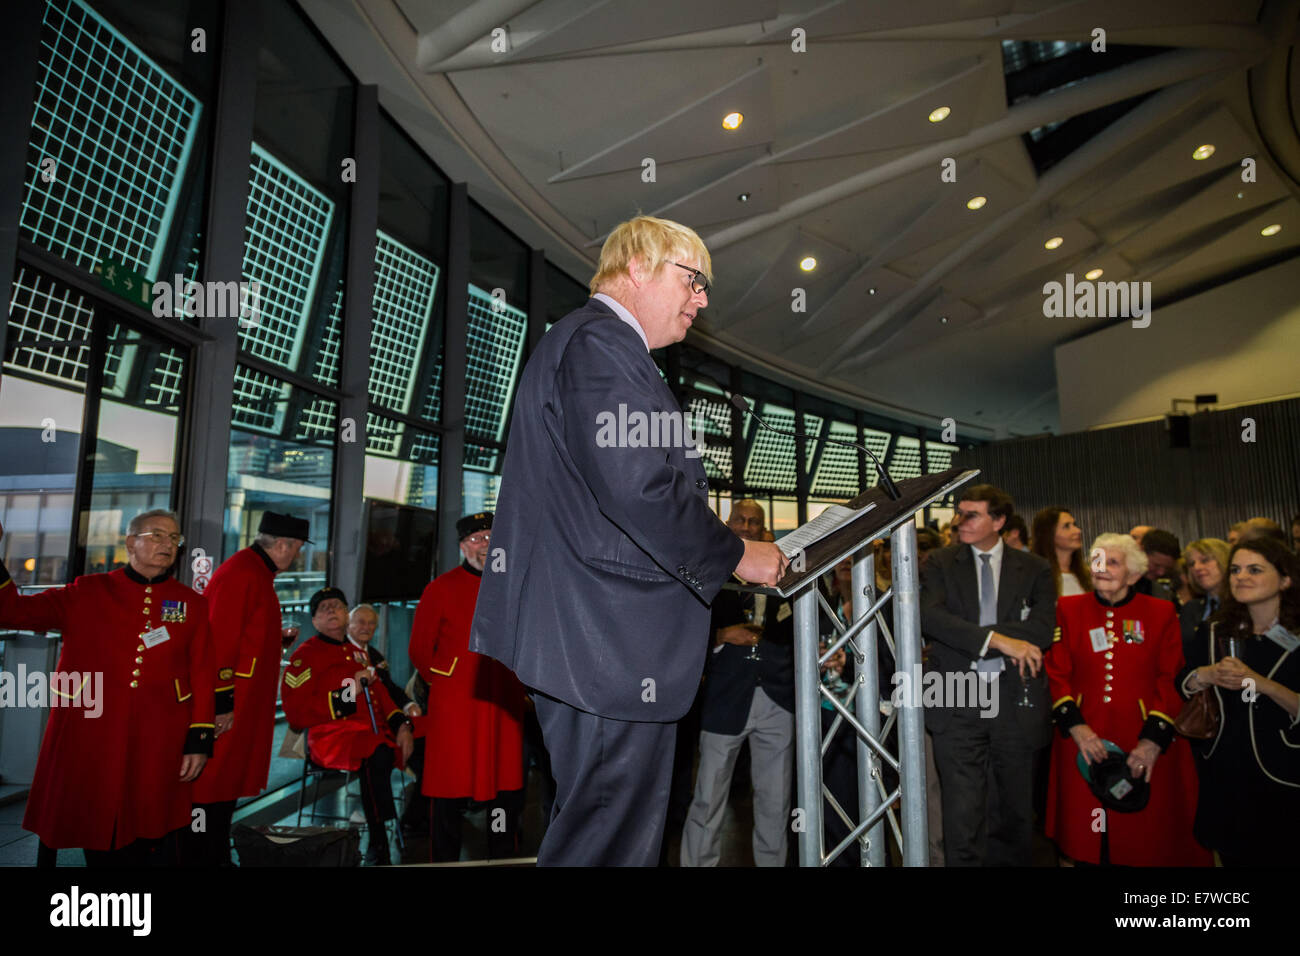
(331, 690)
(246, 638)
(473, 726)
(133, 725)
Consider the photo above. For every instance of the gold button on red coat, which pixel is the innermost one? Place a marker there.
(139, 660)
(135, 683)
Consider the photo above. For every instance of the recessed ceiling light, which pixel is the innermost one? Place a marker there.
(743, 197)
(1092, 274)
(871, 291)
(732, 121)
(807, 263)
(1053, 243)
(976, 202)
(939, 115)
(1272, 230)
(1241, 195)
(943, 319)
(1204, 151)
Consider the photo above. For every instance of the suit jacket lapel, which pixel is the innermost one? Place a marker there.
(1008, 585)
(967, 585)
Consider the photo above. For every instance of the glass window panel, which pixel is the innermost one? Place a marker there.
(122, 132)
(405, 285)
(40, 446)
(43, 310)
(837, 471)
(783, 516)
(432, 410)
(712, 418)
(563, 294)
(291, 473)
(480, 481)
(494, 345)
(771, 460)
(906, 462)
(285, 238)
(939, 456)
(401, 463)
(136, 442)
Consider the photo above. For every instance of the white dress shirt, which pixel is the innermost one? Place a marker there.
(621, 311)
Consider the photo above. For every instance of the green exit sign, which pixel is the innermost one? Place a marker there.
(130, 285)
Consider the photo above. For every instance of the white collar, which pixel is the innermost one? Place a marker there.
(995, 552)
(621, 311)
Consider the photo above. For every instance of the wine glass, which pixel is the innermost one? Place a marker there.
(753, 648)
(290, 627)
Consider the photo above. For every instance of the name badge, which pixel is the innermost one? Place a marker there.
(155, 637)
(783, 612)
(1100, 642)
(1283, 638)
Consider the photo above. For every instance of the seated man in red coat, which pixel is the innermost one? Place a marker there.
(132, 727)
(473, 727)
(331, 691)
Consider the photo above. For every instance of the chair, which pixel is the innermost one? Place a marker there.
(315, 771)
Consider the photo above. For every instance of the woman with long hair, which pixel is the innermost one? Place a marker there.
(1207, 575)
(1249, 655)
(1058, 540)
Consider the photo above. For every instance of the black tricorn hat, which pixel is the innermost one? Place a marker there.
(284, 526)
(1112, 783)
(468, 525)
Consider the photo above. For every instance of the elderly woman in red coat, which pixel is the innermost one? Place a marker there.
(1111, 675)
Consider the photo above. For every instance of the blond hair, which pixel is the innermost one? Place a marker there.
(652, 242)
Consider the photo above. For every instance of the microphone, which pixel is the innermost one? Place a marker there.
(886, 482)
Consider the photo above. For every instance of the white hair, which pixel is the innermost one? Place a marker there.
(363, 607)
(1135, 559)
(139, 520)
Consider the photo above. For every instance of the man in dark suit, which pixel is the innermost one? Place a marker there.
(597, 588)
(748, 694)
(990, 610)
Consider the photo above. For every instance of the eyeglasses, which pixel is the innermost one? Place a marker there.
(699, 281)
(159, 537)
(481, 538)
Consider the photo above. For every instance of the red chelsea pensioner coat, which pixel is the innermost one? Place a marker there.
(473, 725)
(104, 781)
(1123, 692)
(317, 699)
(244, 614)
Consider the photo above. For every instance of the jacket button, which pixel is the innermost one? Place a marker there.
(135, 673)
(139, 660)
(140, 647)
(1106, 699)
(135, 683)
(701, 483)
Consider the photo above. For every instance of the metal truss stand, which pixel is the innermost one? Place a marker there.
(870, 625)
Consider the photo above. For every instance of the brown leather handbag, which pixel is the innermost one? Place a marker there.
(1199, 719)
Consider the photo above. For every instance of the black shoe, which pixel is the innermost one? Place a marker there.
(377, 854)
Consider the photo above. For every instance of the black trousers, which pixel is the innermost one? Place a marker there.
(446, 815)
(376, 775)
(987, 767)
(612, 780)
(210, 846)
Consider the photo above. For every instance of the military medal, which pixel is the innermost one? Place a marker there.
(173, 612)
(1133, 632)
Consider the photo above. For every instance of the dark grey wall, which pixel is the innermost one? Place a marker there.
(1114, 478)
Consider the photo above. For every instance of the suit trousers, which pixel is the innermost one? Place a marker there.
(987, 769)
(770, 731)
(611, 787)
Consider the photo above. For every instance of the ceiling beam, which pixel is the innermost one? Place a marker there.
(1101, 90)
(456, 33)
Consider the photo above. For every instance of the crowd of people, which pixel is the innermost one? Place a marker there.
(601, 646)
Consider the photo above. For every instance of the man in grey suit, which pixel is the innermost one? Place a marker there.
(990, 610)
(596, 592)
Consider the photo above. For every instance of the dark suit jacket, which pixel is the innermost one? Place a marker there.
(731, 677)
(950, 611)
(603, 559)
